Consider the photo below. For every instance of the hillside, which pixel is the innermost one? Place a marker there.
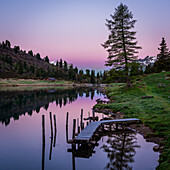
(16, 63)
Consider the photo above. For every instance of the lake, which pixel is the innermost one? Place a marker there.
(22, 147)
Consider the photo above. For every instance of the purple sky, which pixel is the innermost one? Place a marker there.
(74, 29)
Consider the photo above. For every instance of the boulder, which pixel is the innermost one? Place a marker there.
(156, 148)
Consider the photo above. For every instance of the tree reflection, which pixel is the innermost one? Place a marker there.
(120, 150)
(16, 103)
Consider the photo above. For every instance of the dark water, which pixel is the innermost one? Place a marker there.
(21, 144)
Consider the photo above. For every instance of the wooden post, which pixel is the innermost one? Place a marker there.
(89, 118)
(116, 126)
(81, 118)
(51, 144)
(51, 125)
(78, 125)
(82, 126)
(55, 131)
(67, 127)
(43, 128)
(87, 123)
(73, 157)
(110, 127)
(43, 141)
(78, 129)
(93, 115)
(74, 128)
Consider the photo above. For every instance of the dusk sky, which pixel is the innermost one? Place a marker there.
(74, 29)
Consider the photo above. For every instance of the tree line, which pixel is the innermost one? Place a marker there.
(61, 70)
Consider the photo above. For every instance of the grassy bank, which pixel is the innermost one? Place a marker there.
(149, 100)
(31, 82)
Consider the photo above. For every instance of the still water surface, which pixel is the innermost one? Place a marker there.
(21, 134)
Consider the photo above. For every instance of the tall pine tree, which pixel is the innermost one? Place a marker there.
(121, 44)
(163, 57)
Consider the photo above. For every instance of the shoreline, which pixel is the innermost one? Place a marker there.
(139, 128)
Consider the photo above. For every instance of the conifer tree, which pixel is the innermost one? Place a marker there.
(163, 57)
(30, 52)
(38, 56)
(8, 44)
(61, 63)
(16, 49)
(46, 59)
(57, 64)
(65, 66)
(121, 44)
(92, 77)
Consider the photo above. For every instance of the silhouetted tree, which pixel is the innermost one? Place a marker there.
(61, 63)
(92, 77)
(163, 62)
(65, 66)
(71, 72)
(30, 52)
(57, 64)
(38, 56)
(46, 59)
(76, 70)
(8, 44)
(16, 49)
(121, 43)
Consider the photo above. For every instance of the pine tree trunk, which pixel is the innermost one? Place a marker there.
(125, 56)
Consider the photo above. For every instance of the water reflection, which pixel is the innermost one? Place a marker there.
(13, 104)
(120, 149)
(26, 144)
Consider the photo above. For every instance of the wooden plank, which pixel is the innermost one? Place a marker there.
(120, 121)
(87, 133)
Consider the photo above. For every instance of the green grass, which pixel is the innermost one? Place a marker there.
(154, 112)
(28, 82)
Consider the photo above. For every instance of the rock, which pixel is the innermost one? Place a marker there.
(156, 148)
(162, 148)
(145, 97)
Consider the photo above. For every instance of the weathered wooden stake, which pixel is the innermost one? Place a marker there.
(51, 125)
(67, 127)
(43, 141)
(55, 130)
(116, 126)
(81, 118)
(74, 128)
(82, 126)
(73, 158)
(89, 117)
(78, 125)
(110, 127)
(93, 115)
(51, 144)
(78, 129)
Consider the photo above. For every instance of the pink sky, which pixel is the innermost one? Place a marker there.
(74, 30)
